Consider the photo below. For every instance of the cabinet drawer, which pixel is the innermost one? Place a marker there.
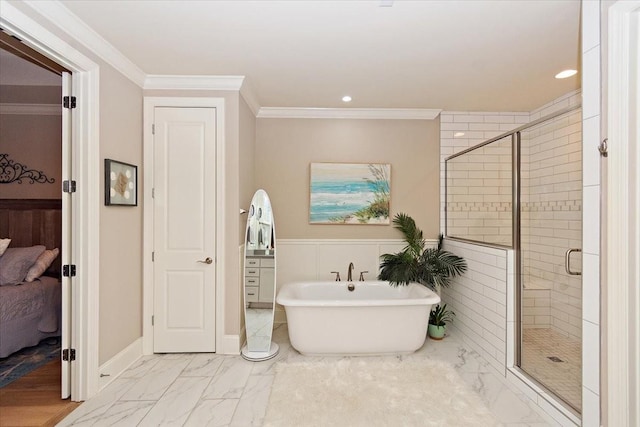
(267, 262)
(252, 281)
(252, 271)
(251, 294)
(253, 262)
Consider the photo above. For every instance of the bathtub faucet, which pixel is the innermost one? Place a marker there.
(350, 273)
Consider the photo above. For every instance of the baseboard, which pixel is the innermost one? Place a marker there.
(115, 366)
(230, 344)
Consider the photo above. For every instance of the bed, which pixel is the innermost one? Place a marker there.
(30, 311)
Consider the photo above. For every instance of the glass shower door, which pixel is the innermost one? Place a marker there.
(550, 259)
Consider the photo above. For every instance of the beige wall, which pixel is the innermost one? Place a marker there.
(120, 137)
(286, 147)
(19, 94)
(120, 226)
(32, 140)
(246, 159)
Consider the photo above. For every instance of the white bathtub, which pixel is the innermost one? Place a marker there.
(375, 318)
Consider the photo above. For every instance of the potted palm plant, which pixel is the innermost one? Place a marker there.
(431, 267)
(438, 319)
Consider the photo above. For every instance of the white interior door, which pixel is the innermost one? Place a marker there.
(184, 229)
(66, 239)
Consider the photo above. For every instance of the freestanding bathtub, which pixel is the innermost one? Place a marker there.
(325, 318)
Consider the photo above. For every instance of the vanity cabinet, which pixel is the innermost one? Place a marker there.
(259, 279)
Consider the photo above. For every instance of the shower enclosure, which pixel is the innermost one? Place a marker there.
(523, 190)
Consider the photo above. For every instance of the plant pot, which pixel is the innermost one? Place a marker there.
(436, 332)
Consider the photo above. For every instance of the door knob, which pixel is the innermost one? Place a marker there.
(206, 261)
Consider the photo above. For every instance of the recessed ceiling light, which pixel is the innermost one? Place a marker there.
(458, 134)
(346, 98)
(566, 73)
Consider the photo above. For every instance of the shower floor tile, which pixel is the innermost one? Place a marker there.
(555, 361)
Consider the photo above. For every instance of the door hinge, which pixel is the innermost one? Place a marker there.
(153, 256)
(603, 148)
(69, 354)
(69, 270)
(153, 129)
(68, 186)
(153, 193)
(69, 102)
(153, 320)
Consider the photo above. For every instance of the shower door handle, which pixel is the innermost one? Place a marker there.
(567, 262)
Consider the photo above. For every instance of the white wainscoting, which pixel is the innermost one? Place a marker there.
(315, 259)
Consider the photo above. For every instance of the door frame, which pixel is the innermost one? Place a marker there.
(85, 169)
(622, 323)
(150, 103)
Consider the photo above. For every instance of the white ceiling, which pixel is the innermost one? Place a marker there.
(452, 55)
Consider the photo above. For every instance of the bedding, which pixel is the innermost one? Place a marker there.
(16, 262)
(42, 264)
(4, 244)
(29, 312)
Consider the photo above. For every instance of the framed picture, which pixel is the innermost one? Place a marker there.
(120, 183)
(350, 193)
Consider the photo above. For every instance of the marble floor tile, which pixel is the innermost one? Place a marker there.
(140, 368)
(176, 403)
(125, 414)
(153, 385)
(252, 406)
(213, 390)
(230, 379)
(212, 413)
(203, 365)
(91, 410)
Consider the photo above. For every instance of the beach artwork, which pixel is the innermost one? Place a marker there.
(350, 193)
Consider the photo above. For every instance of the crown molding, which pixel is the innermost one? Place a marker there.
(31, 109)
(348, 113)
(249, 95)
(236, 83)
(67, 21)
(162, 81)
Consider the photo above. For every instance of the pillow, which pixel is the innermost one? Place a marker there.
(42, 263)
(15, 263)
(4, 244)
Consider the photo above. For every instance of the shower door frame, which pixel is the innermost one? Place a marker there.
(515, 239)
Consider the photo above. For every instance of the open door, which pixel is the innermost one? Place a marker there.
(67, 354)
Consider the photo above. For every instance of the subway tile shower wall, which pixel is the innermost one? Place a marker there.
(551, 200)
(479, 204)
(479, 299)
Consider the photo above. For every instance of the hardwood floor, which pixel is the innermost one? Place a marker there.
(34, 400)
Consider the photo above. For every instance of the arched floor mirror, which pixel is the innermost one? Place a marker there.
(259, 279)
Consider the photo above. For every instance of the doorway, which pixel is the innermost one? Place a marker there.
(212, 173)
(184, 235)
(85, 159)
(37, 130)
